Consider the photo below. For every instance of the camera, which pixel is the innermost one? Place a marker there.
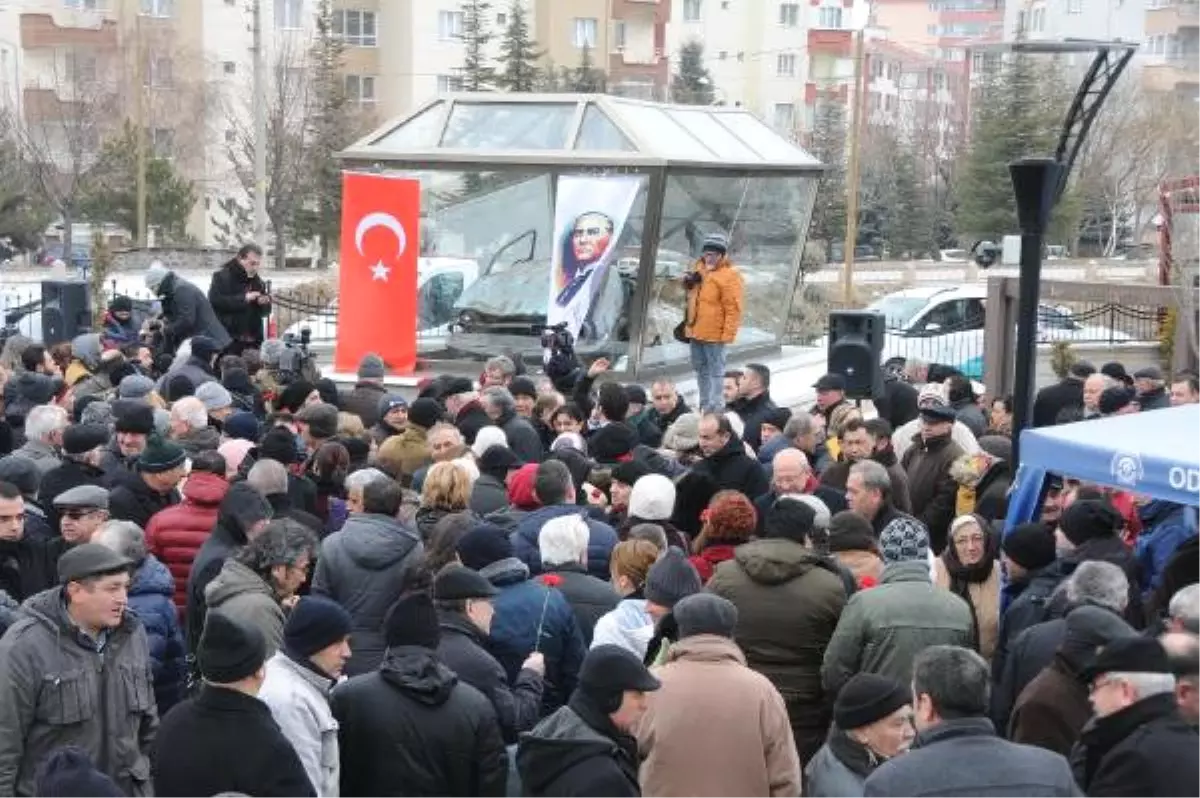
(986, 253)
(561, 364)
(692, 279)
(296, 362)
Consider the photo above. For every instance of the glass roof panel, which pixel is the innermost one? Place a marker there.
(663, 134)
(420, 132)
(599, 133)
(509, 126)
(767, 142)
(715, 136)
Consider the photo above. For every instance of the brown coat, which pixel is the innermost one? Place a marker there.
(402, 455)
(1052, 710)
(706, 676)
(985, 599)
(714, 308)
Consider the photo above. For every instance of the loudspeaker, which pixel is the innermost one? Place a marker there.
(855, 349)
(66, 312)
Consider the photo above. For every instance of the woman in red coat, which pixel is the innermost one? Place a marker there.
(729, 521)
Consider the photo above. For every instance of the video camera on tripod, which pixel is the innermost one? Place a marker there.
(558, 348)
(296, 362)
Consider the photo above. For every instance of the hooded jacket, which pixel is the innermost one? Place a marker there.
(176, 534)
(683, 757)
(789, 600)
(884, 628)
(56, 690)
(365, 566)
(150, 594)
(577, 751)
(601, 538)
(247, 598)
(412, 725)
(627, 625)
(299, 700)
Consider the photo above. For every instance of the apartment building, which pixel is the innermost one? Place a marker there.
(941, 29)
(921, 98)
(1171, 54)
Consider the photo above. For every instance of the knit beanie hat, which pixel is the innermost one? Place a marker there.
(179, 386)
(412, 621)
(671, 579)
(134, 417)
(522, 386)
(866, 698)
(849, 531)
(1089, 628)
(652, 498)
(214, 395)
(135, 386)
(371, 367)
(68, 771)
(121, 304)
(243, 425)
(629, 472)
(486, 438)
(425, 413)
(98, 412)
(160, 455)
(81, 438)
(1089, 519)
(315, 624)
(521, 493)
(484, 545)
(229, 650)
(1030, 545)
(279, 444)
(903, 540)
(498, 461)
(684, 434)
(705, 614)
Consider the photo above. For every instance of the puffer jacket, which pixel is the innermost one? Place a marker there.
(628, 625)
(714, 307)
(524, 608)
(883, 629)
(150, 594)
(299, 700)
(601, 538)
(413, 723)
(56, 690)
(245, 597)
(789, 600)
(365, 566)
(176, 534)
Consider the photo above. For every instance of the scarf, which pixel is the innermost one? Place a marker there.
(963, 576)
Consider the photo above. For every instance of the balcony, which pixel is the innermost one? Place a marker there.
(1170, 17)
(830, 42)
(72, 29)
(660, 10)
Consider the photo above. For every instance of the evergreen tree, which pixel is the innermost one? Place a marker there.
(586, 78)
(692, 85)
(828, 144)
(910, 224)
(518, 53)
(478, 73)
(550, 79)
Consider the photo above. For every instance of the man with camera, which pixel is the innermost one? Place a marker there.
(239, 296)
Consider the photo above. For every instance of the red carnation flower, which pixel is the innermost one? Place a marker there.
(551, 580)
(866, 582)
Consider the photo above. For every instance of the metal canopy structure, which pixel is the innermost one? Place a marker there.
(581, 129)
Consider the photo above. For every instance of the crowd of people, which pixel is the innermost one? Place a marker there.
(219, 578)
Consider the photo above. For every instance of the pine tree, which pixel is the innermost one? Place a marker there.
(518, 53)
(586, 78)
(692, 85)
(478, 73)
(828, 144)
(550, 78)
(909, 225)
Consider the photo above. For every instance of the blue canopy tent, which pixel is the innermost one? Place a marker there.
(1155, 454)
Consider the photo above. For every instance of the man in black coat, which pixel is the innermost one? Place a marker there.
(522, 437)
(1028, 555)
(413, 722)
(225, 740)
(137, 496)
(464, 604)
(563, 544)
(1068, 392)
(898, 404)
(753, 402)
(1137, 743)
(239, 296)
(82, 464)
(586, 747)
(668, 404)
(186, 310)
(725, 459)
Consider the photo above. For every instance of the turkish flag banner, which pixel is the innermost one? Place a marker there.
(377, 299)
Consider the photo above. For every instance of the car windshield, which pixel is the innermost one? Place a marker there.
(898, 311)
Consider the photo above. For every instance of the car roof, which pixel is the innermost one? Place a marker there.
(942, 292)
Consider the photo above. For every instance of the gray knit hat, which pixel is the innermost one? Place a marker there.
(371, 367)
(904, 539)
(671, 579)
(705, 614)
(135, 386)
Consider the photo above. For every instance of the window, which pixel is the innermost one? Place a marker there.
(355, 28)
(85, 5)
(230, 135)
(360, 88)
(158, 72)
(449, 84)
(785, 65)
(1074, 6)
(829, 17)
(721, 56)
(585, 32)
(618, 35)
(502, 19)
(692, 10)
(289, 14)
(876, 68)
(156, 8)
(162, 141)
(450, 24)
(230, 68)
(81, 68)
(789, 15)
(784, 117)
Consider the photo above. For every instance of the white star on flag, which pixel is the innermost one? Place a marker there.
(380, 272)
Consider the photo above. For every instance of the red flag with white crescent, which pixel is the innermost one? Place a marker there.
(377, 298)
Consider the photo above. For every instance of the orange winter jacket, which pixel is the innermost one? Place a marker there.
(714, 308)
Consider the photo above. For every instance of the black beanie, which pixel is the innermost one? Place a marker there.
(629, 472)
(292, 397)
(279, 444)
(68, 771)
(412, 621)
(1089, 519)
(424, 413)
(522, 386)
(133, 416)
(612, 441)
(866, 698)
(315, 624)
(229, 651)
(1030, 545)
(671, 579)
(179, 386)
(121, 304)
(484, 545)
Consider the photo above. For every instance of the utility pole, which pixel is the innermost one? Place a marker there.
(260, 131)
(140, 88)
(860, 95)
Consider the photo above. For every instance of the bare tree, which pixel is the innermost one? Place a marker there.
(76, 103)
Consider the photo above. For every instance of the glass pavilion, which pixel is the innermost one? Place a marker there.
(489, 166)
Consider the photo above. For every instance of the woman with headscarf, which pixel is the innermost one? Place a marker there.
(969, 568)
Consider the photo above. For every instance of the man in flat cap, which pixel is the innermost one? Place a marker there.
(1151, 388)
(82, 464)
(74, 670)
(81, 511)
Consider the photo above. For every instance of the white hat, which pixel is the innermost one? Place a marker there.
(486, 438)
(652, 498)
